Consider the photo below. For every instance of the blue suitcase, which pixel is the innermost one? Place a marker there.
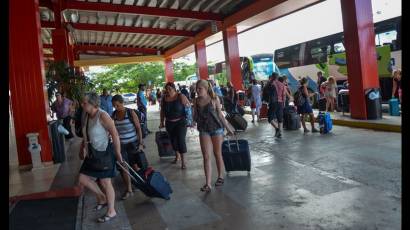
(152, 184)
(325, 122)
(236, 155)
(394, 107)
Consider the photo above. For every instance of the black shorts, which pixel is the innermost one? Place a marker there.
(129, 152)
(275, 111)
(177, 132)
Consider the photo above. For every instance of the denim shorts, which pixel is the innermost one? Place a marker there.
(213, 133)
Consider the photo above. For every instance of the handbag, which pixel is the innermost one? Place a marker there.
(253, 105)
(98, 160)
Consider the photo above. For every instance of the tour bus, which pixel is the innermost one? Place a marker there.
(259, 67)
(327, 54)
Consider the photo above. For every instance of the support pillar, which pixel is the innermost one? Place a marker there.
(59, 35)
(233, 65)
(202, 65)
(60, 45)
(26, 79)
(169, 70)
(360, 53)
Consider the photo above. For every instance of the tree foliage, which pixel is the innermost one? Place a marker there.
(125, 78)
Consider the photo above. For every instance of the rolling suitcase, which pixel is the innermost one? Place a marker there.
(57, 141)
(322, 104)
(149, 181)
(325, 122)
(394, 107)
(291, 119)
(236, 155)
(237, 121)
(264, 111)
(164, 144)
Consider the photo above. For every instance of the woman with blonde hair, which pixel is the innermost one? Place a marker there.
(330, 93)
(210, 124)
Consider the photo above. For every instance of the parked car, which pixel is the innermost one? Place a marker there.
(129, 97)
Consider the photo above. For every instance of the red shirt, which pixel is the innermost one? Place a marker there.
(280, 90)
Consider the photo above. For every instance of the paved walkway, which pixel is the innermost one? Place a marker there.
(349, 179)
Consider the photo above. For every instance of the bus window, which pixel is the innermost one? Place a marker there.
(318, 54)
(339, 47)
(387, 37)
(294, 56)
(282, 58)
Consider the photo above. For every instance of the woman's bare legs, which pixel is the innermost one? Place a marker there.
(302, 119)
(110, 194)
(206, 148)
(89, 183)
(217, 149)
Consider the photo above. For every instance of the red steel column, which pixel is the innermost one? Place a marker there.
(169, 70)
(233, 65)
(360, 53)
(26, 79)
(71, 55)
(202, 65)
(60, 35)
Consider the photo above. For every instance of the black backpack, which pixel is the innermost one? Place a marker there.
(78, 122)
(299, 97)
(140, 118)
(269, 94)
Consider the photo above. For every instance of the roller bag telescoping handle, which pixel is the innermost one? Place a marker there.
(229, 143)
(132, 170)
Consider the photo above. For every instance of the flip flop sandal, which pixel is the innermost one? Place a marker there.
(219, 182)
(106, 218)
(99, 206)
(206, 188)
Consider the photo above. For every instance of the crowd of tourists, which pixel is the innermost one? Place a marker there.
(114, 133)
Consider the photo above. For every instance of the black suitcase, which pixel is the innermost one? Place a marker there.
(236, 155)
(322, 104)
(291, 120)
(237, 121)
(57, 140)
(164, 144)
(149, 181)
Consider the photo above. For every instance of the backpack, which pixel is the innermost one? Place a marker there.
(140, 118)
(269, 94)
(78, 122)
(299, 97)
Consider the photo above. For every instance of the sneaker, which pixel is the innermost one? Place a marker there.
(127, 195)
(279, 134)
(276, 132)
(314, 130)
(253, 121)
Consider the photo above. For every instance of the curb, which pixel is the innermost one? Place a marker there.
(363, 125)
(66, 192)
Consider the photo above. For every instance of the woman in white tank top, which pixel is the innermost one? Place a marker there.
(100, 127)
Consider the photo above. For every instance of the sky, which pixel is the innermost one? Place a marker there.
(313, 22)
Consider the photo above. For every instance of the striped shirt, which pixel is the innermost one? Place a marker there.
(126, 130)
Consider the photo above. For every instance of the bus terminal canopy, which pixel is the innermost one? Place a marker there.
(149, 30)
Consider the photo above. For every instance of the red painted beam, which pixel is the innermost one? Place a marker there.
(169, 70)
(202, 64)
(46, 3)
(79, 48)
(47, 46)
(144, 10)
(131, 29)
(106, 54)
(48, 24)
(255, 14)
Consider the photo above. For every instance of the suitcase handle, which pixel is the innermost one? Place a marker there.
(229, 144)
(132, 170)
